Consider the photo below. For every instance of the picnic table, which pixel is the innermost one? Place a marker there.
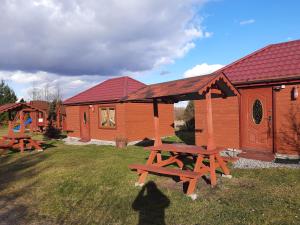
(21, 142)
(177, 153)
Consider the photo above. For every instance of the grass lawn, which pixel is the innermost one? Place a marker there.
(92, 185)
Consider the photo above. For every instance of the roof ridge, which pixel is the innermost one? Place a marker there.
(125, 86)
(194, 77)
(286, 42)
(253, 54)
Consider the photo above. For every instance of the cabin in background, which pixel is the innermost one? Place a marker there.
(100, 113)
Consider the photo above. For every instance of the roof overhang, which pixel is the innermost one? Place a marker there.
(18, 106)
(187, 89)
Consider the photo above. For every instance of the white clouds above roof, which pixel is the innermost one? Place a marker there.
(202, 69)
(96, 37)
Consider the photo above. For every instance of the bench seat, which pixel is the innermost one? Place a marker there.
(166, 171)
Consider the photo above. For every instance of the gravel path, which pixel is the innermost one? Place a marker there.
(243, 163)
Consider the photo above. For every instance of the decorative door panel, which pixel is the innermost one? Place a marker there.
(256, 119)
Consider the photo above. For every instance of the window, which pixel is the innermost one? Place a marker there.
(84, 117)
(257, 111)
(107, 117)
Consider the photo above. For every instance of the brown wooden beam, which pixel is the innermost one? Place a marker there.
(22, 125)
(156, 123)
(209, 119)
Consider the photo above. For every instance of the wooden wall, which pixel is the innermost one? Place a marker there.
(225, 122)
(73, 120)
(134, 121)
(287, 121)
(139, 120)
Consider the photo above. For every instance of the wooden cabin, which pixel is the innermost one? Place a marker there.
(100, 113)
(265, 120)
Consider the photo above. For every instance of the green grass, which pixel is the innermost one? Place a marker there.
(92, 185)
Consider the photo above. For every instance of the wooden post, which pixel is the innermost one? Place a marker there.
(22, 125)
(209, 119)
(156, 123)
(31, 125)
(10, 125)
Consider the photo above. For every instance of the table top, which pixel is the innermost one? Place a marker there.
(17, 136)
(182, 148)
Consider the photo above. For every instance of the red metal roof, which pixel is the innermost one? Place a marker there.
(110, 90)
(273, 62)
(183, 87)
(16, 106)
(9, 106)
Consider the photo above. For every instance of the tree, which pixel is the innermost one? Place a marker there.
(189, 116)
(47, 92)
(7, 95)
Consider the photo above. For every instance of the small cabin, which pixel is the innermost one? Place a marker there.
(101, 114)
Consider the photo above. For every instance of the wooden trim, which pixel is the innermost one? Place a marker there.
(107, 109)
(209, 119)
(156, 123)
(274, 116)
(263, 83)
(240, 119)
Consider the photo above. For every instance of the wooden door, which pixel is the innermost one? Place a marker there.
(84, 123)
(256, 119)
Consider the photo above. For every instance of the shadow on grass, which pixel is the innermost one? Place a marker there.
(12, 209)
(151, 204)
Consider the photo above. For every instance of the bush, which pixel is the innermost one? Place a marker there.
(52, 132)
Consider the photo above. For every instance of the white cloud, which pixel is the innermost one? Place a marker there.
(246, 22)
(96, 37)
(202, 69)
(23, 82)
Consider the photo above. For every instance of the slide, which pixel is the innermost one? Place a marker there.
(28, 121)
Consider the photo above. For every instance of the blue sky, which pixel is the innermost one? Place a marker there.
(72, 45)
(239, 27)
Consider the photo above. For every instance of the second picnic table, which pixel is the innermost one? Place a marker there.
(156, 164)
(22, 141)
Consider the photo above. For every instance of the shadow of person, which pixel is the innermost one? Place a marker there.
(151, 204)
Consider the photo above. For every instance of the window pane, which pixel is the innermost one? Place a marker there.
(257, 111)
(104, 119)
(112, 120)
(84, 117)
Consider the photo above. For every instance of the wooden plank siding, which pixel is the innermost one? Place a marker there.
(140, 120)
(287, 120)
(73, 120)
(225, 122)
(133, 121)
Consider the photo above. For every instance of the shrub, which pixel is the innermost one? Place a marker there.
(52, 132)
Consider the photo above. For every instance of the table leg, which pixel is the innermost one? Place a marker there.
(35, 145)
(21, 144)
(193, 182)
(144, 174)
(222, 165)
(212, 168)
(158, 157)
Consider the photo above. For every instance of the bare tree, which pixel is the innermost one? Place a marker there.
(45, 92)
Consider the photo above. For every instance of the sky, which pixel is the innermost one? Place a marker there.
(75, 44)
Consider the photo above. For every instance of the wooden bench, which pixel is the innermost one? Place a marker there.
(4, 147)
(166, 171)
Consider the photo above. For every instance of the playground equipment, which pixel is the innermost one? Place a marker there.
(21, 115)
(26, 123)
